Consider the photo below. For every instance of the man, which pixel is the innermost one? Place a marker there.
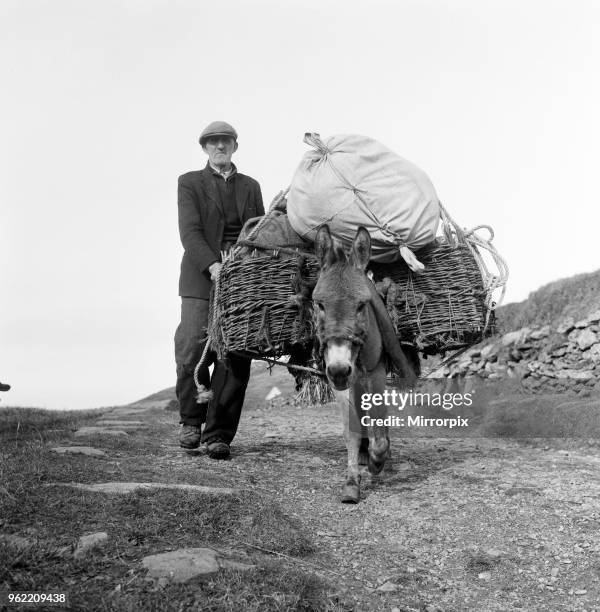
(214, 203)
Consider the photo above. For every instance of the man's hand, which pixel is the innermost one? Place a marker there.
(213, 270)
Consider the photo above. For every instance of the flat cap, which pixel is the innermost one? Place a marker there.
(217, 128)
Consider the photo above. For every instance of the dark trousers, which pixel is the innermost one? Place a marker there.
(228, 383)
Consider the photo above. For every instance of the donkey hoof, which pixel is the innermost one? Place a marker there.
(363, 458)
(375, 467)
(350, 494)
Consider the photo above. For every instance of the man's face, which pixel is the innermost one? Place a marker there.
(219, 150)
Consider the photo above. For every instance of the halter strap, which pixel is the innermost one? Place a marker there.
(352, 338)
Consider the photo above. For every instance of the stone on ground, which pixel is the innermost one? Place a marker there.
(388, 587)
(272, 394)
(147, 404)
(129, 487)
(15, 541)
(89, 541)
(586, 339)
(514, 336)
(78, 450)
(120, 423)
(186, 563)
(83, 432)
(126, 412)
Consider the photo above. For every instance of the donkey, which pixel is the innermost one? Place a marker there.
(357, 342)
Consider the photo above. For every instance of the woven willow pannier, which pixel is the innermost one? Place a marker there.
(444, 307)
(264, 303)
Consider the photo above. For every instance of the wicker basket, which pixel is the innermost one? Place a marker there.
(442, 309)
(264, 303)
(264, 298)
(451, 304)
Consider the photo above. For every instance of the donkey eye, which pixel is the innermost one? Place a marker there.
(360, 307)
(320, 306)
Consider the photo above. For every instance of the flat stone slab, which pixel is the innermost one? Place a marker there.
(129, 487)
(125, 412)
(148, 404)
(15, 540)
(186, 563)
(89, 541)
(99, 431)
(78, 450)
(120, 423)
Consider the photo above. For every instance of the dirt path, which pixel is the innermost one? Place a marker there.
(450, 525)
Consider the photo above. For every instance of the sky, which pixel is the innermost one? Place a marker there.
(103, 101)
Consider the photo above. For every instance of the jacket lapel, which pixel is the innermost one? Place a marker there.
(241, 196)
(210, 189)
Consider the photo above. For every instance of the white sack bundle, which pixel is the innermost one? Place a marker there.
(350, 180)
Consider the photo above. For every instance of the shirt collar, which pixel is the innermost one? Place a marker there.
(224, 175)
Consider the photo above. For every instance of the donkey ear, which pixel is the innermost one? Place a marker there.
(361, 249)
(323, 245)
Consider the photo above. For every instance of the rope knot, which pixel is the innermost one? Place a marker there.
(314, 140)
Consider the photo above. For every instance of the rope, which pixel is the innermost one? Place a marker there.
(201, 389)
(492, 281)
(274, 361)
(455, 234)
(268, 247)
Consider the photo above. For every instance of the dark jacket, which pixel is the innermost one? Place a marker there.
(202, 222)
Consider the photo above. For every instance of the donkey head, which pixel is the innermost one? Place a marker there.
(340, 298)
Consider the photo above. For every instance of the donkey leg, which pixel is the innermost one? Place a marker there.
(363, 451)
(351, 489)
(378, 452)
(379, 441)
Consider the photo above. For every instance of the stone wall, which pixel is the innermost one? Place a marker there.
(544, 359)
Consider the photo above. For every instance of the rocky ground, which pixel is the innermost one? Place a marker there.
(450, 525)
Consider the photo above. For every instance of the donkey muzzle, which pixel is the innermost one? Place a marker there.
(339, 375)
(339, 365)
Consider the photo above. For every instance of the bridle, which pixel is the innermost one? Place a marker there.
(356, 341)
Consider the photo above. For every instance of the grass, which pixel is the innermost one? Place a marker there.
(575, 296)
(146, 522)
(502, 409)
(149, 522)
(35, 422)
